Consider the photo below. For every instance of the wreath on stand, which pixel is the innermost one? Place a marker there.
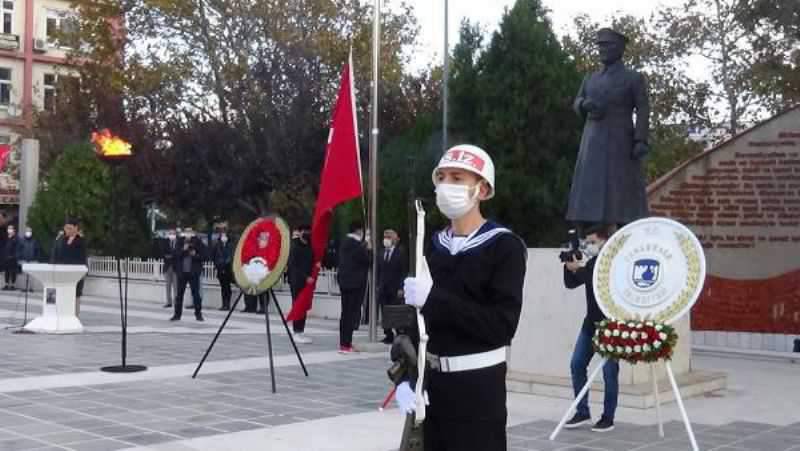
(634, 341)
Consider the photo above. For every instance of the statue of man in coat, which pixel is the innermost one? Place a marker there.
(608, 185)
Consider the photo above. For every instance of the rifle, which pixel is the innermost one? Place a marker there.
(409, 348)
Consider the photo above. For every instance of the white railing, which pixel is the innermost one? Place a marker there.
(152, 269)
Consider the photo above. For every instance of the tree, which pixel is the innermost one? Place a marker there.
(78, 185)
(240, 91)
(777, 74)
(522, 116)
(713, 30)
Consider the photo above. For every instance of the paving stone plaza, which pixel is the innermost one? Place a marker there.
(53, 396)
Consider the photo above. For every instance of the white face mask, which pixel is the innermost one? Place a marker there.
(223, 238)
(28, 234)
(454, 201)
(387, 243)
(592, 249)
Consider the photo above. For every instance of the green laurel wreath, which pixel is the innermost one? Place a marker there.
(603, 288)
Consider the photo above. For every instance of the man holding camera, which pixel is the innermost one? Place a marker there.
(189, 265)
(577, 272)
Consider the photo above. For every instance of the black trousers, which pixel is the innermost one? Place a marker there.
(443, 434)
(194, 283)
(385, 298)
(250, 303)
(351, 314)
(300, 325)
(225, 277)
(12, 269)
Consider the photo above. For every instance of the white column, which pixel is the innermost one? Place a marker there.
(29, 179)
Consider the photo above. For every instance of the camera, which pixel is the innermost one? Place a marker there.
(573, 248)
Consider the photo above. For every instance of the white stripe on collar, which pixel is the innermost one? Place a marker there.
(476, 239)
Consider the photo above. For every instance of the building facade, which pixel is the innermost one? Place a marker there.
(31, 58)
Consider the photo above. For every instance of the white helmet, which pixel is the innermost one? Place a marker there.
(469, 158)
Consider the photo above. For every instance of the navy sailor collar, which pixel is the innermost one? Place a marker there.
(486, 234)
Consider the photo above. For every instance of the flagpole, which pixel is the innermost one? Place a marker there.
(445, 78)
(373, 173)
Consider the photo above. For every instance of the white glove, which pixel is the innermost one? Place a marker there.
(405, 398)
(417, 290)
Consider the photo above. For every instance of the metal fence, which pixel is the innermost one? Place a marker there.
(152, 270)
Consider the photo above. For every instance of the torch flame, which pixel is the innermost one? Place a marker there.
(108, 145)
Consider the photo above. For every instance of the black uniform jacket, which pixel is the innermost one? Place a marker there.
(474, 306)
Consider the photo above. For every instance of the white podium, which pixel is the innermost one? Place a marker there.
(58, 297)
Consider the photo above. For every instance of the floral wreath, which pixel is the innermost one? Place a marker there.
(634, 341)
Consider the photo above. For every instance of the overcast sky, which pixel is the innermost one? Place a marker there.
(430, 14)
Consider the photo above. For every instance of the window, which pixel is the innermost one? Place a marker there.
(8, 16)
(61, 27)
(5, 139)
(5, 87)
(50, 81)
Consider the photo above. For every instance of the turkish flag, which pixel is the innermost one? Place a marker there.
(340, 182)
(5, 152)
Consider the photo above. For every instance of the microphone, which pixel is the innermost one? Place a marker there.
(60, 235)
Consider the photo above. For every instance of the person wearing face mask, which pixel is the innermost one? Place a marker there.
(70, 249)
(224, 249)
(189, 264)
(354, 262)
(471, 303)
(301, 260)
(168, 250)
(28, 251)
(10, 262)
(392, 269)
(577, 273)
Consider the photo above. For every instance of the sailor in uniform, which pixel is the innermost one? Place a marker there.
(471, 304)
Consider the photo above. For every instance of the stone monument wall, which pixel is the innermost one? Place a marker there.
(742, 200)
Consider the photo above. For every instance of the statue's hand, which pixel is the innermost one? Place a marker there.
(593, 109)
(640, 150)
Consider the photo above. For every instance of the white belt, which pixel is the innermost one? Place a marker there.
(469, 361)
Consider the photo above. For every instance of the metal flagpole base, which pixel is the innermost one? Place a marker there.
(123, 368)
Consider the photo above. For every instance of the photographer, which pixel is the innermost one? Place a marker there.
(189, 265)
(579, 272)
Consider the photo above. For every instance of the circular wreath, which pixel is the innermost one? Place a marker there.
(634, 341)
(274, 257)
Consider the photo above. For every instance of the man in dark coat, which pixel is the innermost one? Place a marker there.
(70, 249)
(608, 184)
(10, 262)
(392, 270)
(189, 265)
(354, 262)
(224, 249)
(301, 260)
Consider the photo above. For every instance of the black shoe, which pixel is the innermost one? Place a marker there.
(167, 306)
(224, 309)
(577, 420)
(198, 317)
(387, 340)
(175, 318)
(260, 312)
(604, 425)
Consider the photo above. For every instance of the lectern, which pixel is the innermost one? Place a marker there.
(58, 297)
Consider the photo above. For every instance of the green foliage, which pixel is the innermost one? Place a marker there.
(516, 104)
(78, 185)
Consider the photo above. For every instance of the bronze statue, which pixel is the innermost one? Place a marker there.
(608, 185)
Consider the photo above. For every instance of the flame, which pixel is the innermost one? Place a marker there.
(110, 146)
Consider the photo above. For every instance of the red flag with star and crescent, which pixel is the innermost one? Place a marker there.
(340, 182)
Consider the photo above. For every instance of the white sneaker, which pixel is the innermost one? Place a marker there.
(302, 339)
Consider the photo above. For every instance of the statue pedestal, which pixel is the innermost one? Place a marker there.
(58, 297)
(551, 318)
